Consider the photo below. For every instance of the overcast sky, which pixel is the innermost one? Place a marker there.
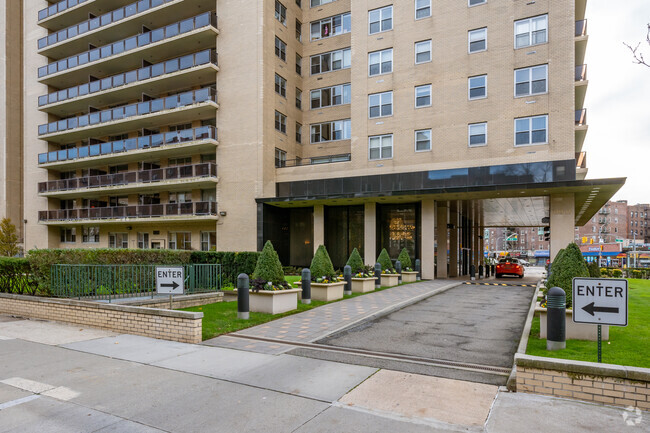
(618, 97)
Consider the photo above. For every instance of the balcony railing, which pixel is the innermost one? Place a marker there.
(143, 74)
(100, 21)
(344, 157)
(121, 146)
(201, 208)
(208, 169)
(581, 28)
(581, 73)
(132, 43)
(58, 7)
(581, 117)
(126, 111)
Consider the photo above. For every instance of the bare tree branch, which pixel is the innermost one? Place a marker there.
(638, 55)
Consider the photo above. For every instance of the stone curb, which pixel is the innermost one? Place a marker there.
(523, 342)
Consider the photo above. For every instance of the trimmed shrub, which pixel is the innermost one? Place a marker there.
(594, 270)
(268, 266)
(355, 262)
(567, 265)
(404, 259)
(15, 277)
(617, 273)
(385, 261)
(321, 265)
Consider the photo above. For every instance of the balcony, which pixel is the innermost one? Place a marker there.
(581, 84)
(191, 34)
(581, 117)
(179, 108)
(298, 162)
(67, 12)
(581, 128)
(169, 144)
(132, 214)
(197, 176)
(581, 166)
(198, 69)
(581, 40)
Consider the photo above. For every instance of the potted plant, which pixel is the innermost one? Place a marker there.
(389, 276)
(408, 274)
(270, 293)
(325, 284)
(362, 280)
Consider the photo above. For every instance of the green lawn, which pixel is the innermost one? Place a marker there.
(626, 346)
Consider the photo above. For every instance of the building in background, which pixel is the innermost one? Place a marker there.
(637, 223)
(609, 225)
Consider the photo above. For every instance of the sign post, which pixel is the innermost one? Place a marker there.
(170, 280)
(600, 301)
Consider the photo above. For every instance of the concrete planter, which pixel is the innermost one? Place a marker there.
(574, 331)
(273, 301)
(363, 285)
(409, 277)
(389, 280)
(327, 292)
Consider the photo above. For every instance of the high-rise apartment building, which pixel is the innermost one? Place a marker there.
(638, 216)
(606, 226)
(364, 124)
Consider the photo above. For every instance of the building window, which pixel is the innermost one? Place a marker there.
(299, 31)
(298, 99)
(118, 240)
(68, 235)
(380, 147)
(280, 49)
(531, 130)
(331, 131)
(422, 9)
(180, 240)
(477, 87)
(143, 241)
(298, 64)
(477, 40)
(380, 20)
(531, 81)
(477, 134)
(315, 3)
(380, 62)
(332, 26)
(423, 52)
(298, 133)
(299, 3)
(475, 2)
(208, 241)
(330, 96)
(423, 140)
(280, 158)
(280, 86)
(380, 104)
(332, 61)
(280, 122)
(423, 96)
(180, 197)
(531, 31)
(90, 235)
(280, 12)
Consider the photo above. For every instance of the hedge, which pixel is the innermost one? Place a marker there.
(15, 277)
(232, 263)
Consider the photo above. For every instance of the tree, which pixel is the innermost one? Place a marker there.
(355, 262)
(385, 261)
(404, 259)
(8, 238)
(321, 264)
(636, 53)
(268, 266)
(567, 265)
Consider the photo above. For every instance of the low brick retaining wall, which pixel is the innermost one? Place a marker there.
(182, 326)
(588, 381)
(182, 301)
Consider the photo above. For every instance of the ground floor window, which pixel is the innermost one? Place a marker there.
(180, 240)
(399, 227)
(118, 240)
(69, 235)
(90, 234)
(344, 231)
(208, 241)
(143, 240)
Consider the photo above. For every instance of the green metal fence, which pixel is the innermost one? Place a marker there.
(125, 281)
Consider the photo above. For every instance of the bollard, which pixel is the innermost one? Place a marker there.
(243, 286)
(418, 269)
(555, 319)
(487, 271)
(472, 272)
(377, 275)
(347, 276)
(492, 267)
(398, 268)
(480, 271)
(306, 286)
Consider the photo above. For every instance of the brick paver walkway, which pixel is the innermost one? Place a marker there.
(320, 322)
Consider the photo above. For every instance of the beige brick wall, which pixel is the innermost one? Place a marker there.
(179, 326)
(182, 302)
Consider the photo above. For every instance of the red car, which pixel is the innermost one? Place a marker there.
(509, 266)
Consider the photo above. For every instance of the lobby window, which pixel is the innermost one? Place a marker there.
(331, 131)
(531, 130)
(118, 240)
(477, 40)
(332, 26)
(90, 234)
(331, 96)
(298, 133)
(143, 241)
(298, 99)
(280, 12)
(280, 49)
(477, 134)
(180, 240)
(68, 235)
(531, 81)
(380, 104)
(380, 147)
(471, 3)
(280, 158)
(380, 62)
(298, 64)
(422, 9)
(299, 31)
(477, 87)
(422, 52)
(280, 122)
(531, 31)
(208, 241)
(380, 20)
(423, 140)
(423, 96)
(331, 61)
(280, 86)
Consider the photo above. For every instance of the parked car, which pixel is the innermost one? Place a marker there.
(509, 266)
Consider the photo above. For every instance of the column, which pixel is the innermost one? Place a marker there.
(562, 215)
(453, 240)
(441, 220)
(370, 234)
(319, 226)
(428, 239)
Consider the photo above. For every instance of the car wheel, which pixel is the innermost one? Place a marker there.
(521, 276)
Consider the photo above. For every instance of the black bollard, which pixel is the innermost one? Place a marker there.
(555, 319)
(492, 269)
(347, 276)
(487, 271)
(243, 286)
(398, 268)
(480, 271)
(306, 286)
(472, 272)
(418, 269)
(377, 275)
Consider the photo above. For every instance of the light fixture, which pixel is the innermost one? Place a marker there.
(223, 213)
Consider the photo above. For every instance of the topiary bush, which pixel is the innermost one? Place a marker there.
(594, 270)
(385, 261)
(405, 260)
(355, 262)
(566, 266)
(321, 266)
(268, 266)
